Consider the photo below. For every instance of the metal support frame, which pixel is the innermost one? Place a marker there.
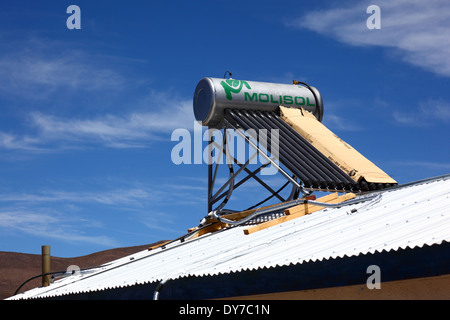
(223, 193)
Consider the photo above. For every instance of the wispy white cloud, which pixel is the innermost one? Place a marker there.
(417, 31)
(42, 80)
(159, 221)
(133, 196)
(51, 226)
(133, 130)
(427, 113)
(427, 166)
(37, 68)
(15, 142)
(340, 123)
(336, 115)
(79, 216)
(67, 215)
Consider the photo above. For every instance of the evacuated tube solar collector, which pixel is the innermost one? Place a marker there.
(212, 96)
(310, 151)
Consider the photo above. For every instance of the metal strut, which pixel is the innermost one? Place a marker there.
(223, 193)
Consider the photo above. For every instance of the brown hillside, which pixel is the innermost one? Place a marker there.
(16, 268)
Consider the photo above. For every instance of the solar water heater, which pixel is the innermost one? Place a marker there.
(287, 118)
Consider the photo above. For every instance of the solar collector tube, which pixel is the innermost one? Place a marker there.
(300, 148)
(289, 161)
(242, 123)
(321, 179)
(335, 178)
(337, 174)
(344, 182)
(308, 174)
(298, 160)
(246, 124)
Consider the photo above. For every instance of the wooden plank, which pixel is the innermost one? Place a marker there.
(307, 209)
(301, 207)
(328, 143)
(157, 245)
(217, 225)
(244, 214)
(211, 228)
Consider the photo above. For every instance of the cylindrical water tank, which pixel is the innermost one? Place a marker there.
(212, 96)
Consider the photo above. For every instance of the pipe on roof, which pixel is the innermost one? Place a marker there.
(286, 205)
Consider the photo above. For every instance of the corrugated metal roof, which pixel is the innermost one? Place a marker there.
(408, 216)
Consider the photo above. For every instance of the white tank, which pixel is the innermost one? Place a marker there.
(212, 96)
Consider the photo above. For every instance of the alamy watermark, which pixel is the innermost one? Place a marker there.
(240, 147)
(73, 270)
(374, 21)
(74, 20)
(374, 280)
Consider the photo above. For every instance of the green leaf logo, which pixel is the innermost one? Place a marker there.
(233, 86)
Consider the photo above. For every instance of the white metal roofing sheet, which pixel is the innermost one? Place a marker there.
(413, 215)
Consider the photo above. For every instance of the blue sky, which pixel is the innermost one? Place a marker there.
(87, 115)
